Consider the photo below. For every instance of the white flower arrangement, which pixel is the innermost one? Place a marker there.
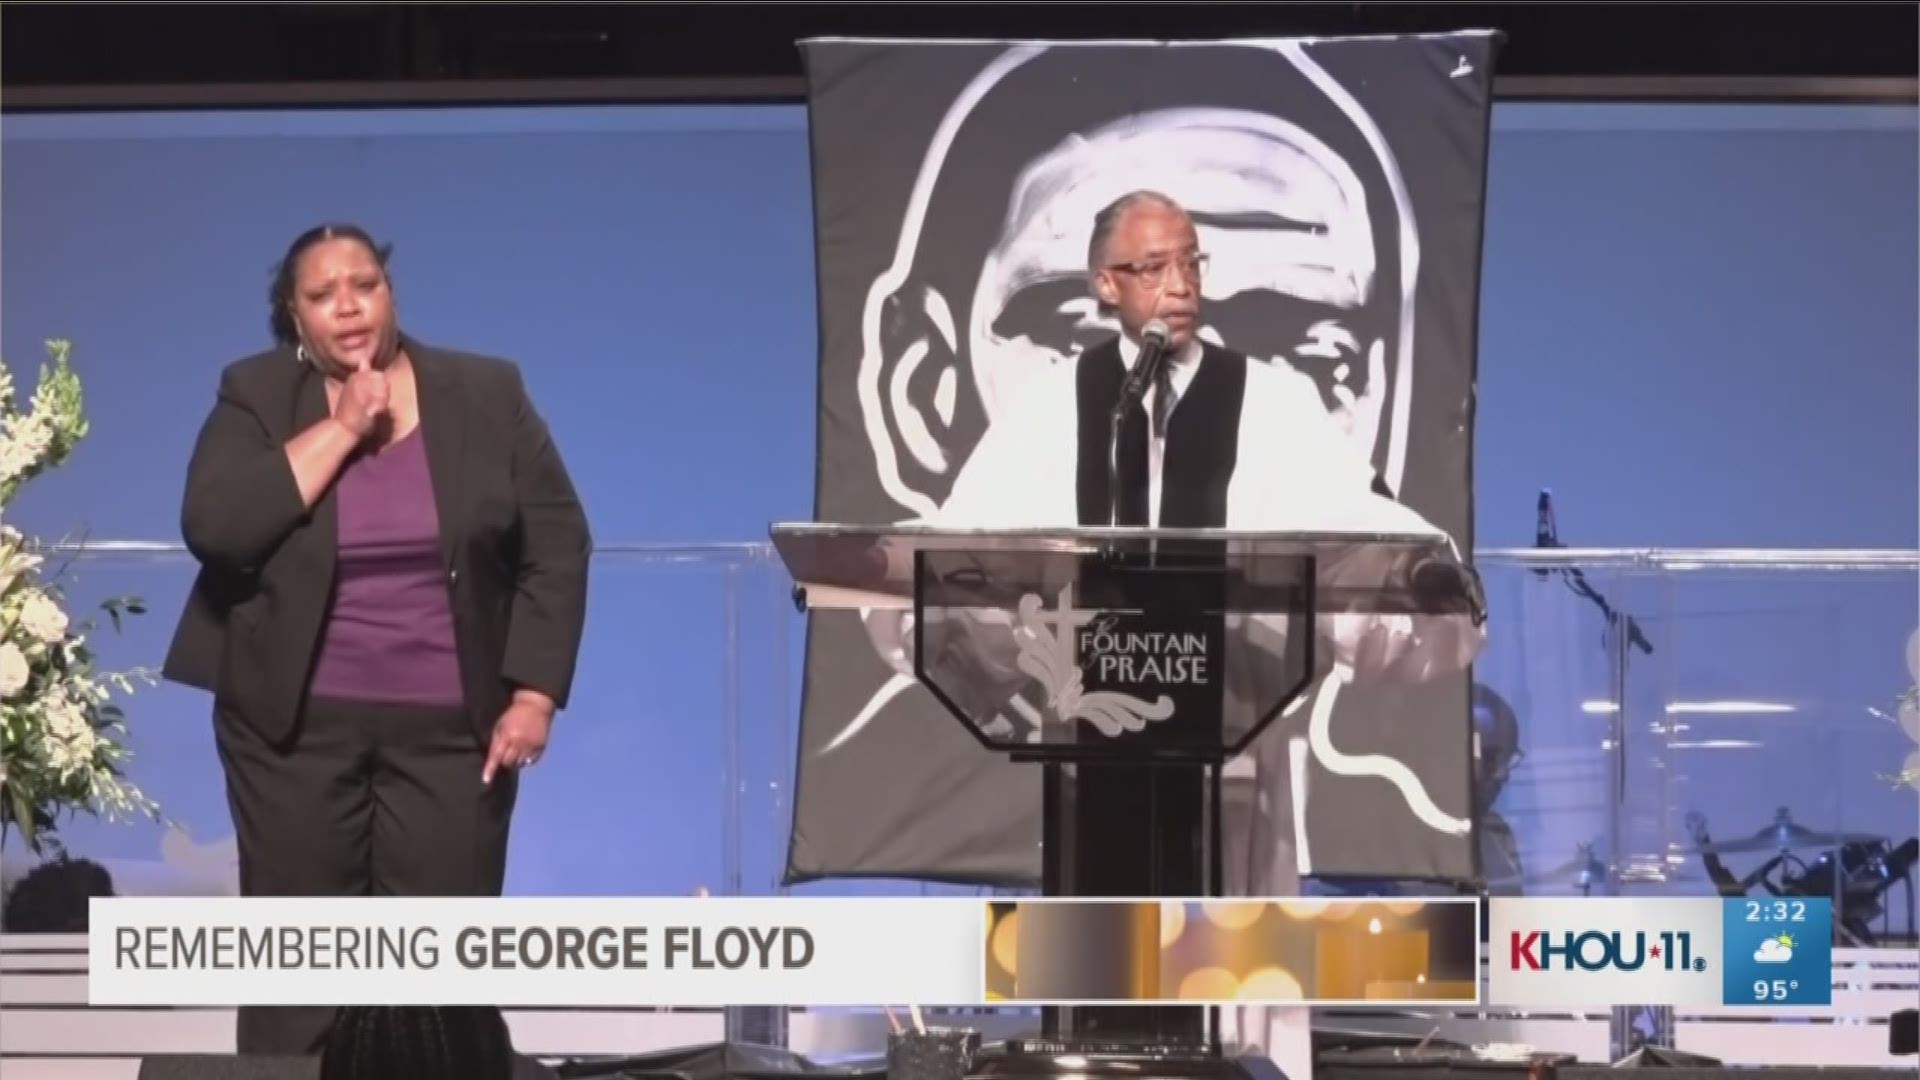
(1908, 715)
(62, 741)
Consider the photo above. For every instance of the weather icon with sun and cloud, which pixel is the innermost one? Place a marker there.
(1779, 951)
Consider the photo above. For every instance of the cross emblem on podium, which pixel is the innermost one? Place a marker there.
(1063, 621)
(1049, 654)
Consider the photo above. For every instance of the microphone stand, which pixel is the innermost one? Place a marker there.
(1153, 353)
(1153, 348)
(1577, 581)
(1623, 636)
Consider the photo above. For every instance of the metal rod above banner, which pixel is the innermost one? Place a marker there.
(1874, 560)
(777, 90)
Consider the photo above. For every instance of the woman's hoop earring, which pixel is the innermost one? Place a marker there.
(300, 353)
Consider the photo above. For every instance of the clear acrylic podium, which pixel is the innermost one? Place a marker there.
(1143, 660)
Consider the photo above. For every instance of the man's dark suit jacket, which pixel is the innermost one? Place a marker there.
(513, 537)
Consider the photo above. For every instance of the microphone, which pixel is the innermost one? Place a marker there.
(1153, 353)
(1545, 535)
(1445, 588)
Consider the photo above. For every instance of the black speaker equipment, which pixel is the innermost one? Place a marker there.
(228, 1067)
(1665, 1057)
(265, 1067)
(1903, 1032)
(718, 1061)
(1403, 1063)
(1744, 1072)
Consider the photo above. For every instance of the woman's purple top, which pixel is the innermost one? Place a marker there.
(389, 637)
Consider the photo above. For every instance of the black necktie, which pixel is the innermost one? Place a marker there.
(1163, 399)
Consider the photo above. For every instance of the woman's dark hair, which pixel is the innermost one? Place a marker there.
(280, 293)
(390, 1042)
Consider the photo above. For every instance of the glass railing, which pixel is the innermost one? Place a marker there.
(667, 774)
(1702, 722)
(1756, 690)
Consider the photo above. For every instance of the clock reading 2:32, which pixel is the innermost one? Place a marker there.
(1776, 911)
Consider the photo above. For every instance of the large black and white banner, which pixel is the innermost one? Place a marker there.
(1337, 187)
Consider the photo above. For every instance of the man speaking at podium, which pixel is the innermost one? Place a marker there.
(1216, 441)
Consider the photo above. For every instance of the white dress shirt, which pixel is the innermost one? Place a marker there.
(1184, 365)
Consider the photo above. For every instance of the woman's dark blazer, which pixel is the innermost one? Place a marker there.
(514, 539)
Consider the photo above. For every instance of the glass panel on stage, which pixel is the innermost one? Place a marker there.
(1752, 699)
(666, 775)
(1704, 723)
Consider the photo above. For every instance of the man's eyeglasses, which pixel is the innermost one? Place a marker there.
(1154, 271)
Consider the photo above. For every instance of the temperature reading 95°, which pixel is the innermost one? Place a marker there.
(1774, 990)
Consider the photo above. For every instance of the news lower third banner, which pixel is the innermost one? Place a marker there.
(793, 951)
(1689, 951)
(854, 951)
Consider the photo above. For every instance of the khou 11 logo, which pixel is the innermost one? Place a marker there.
(1605, 950)
(1593, 951)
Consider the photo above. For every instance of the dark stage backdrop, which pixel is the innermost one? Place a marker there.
(1338, 185)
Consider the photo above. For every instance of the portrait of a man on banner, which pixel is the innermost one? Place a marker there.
(1325, 182)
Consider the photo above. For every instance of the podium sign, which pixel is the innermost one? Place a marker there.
(1090, 644)
(1119, 654)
